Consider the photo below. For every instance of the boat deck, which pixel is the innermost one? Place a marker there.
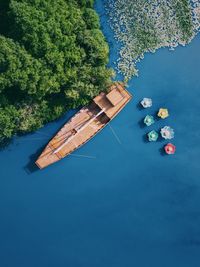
(74, 134)
(113, 101)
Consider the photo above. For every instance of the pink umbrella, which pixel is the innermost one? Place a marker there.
(170, 149)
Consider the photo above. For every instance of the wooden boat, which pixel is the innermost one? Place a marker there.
(85, 124)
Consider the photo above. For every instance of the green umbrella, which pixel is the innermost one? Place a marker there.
(152, 136)
(148, 120)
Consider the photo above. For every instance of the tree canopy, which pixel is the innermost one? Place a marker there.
(53, 57)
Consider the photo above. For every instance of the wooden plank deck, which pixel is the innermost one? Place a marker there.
(110, 103)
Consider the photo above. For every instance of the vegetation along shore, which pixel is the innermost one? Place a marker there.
(53, 57)
(144, 26)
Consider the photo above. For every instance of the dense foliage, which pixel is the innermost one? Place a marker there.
(53, 57)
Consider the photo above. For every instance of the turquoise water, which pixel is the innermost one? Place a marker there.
(127, 205)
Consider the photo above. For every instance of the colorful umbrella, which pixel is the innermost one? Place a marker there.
(152, 136)
(148, 120)
(163, 113)
(146, 102)
(167, 132)
(170, 149)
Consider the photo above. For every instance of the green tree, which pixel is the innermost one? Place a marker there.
(8, 122)
(53, 57)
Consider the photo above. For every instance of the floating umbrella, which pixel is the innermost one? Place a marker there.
(152, 136)
(170, 149)
(146, 102)
(148, 120)
(167, 132)
(163, 113)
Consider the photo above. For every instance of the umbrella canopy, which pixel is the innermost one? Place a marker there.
(170, 149)
(167, 132)
(163, 113)
(146, 102)
(148, 120)
(152, 136)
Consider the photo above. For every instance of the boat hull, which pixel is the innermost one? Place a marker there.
(84, 125)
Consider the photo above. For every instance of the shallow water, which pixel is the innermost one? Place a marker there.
(128, 205)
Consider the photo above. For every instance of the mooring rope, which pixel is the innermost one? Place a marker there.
(82, 156)
(115, 135)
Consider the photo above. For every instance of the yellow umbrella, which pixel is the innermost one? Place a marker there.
(163, 113)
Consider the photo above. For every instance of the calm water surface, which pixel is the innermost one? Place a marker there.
(128, 205)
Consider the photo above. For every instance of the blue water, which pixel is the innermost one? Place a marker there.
(129, 205)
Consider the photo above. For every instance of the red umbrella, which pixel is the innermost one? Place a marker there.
(170, 149)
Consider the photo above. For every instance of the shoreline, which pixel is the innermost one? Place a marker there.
(126, 62)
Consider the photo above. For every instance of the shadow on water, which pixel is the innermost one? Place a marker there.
(160, 138)
(5, 143)
(31, 167)
(141, 123)
(145, 138)
(162, 151)
(139, 106)
(155, 115)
